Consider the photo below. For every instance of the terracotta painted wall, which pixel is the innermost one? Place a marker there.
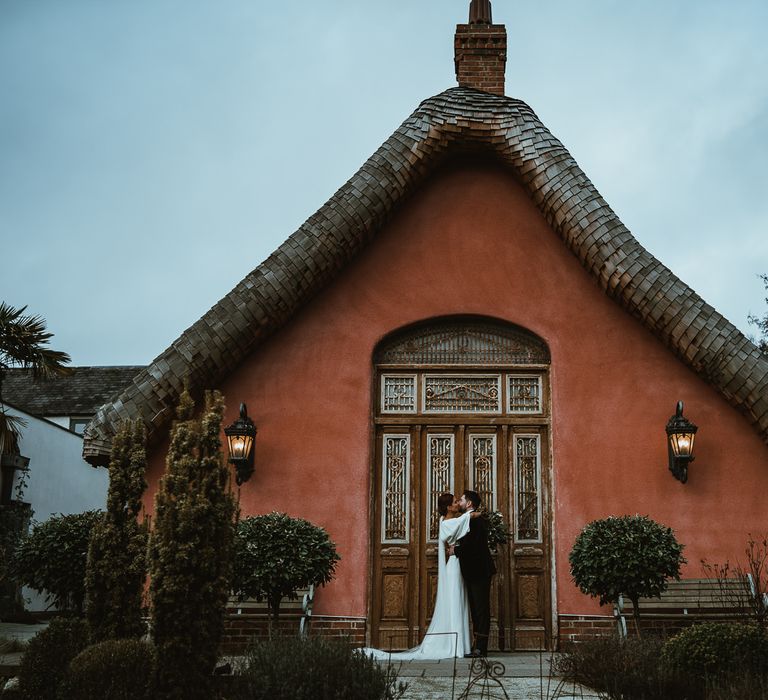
(471, 242)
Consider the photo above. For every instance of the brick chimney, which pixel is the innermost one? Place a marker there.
(480, 50)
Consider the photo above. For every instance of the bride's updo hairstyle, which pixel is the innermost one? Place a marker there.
(444, 500)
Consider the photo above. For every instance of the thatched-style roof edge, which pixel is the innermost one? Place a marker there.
(459, 118)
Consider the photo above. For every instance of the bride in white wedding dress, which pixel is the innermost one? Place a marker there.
(448, 633)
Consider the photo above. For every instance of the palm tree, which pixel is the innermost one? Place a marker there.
(23, 341)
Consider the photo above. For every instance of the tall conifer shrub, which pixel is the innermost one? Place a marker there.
(190, 552)
(117, 562)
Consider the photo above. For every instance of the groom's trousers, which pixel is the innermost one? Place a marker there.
(479, 595)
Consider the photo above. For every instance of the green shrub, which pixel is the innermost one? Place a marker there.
(293, 668)
(51, 559)
(717, 649)
(275, 555)
(47, 657)
(743, 687)
(118, 669)
(11, 645)
(14, 521)
(621, 668)
(190, 553)
(630, 555)
(117, 555)
(650, 669)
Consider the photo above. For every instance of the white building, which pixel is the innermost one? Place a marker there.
(58, 480)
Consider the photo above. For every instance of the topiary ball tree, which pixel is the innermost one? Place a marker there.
(276, 555)
(630, 555)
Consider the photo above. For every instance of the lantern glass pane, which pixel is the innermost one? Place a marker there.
(682, 444)
(239, 446)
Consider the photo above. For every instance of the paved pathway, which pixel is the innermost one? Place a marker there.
(22, 632)
(525, 676)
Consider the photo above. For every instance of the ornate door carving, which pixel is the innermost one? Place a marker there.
(461, 405)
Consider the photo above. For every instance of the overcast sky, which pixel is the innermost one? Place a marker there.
(153, 152)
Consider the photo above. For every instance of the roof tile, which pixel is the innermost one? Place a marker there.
(311, 258)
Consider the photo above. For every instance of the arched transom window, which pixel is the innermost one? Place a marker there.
(455, 359)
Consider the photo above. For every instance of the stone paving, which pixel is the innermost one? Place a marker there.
(525, 676)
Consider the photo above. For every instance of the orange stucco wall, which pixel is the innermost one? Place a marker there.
(471, 242)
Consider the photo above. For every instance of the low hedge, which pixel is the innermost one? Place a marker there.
(45, 662)
(717, 649)
(118, 669)
(292, 668)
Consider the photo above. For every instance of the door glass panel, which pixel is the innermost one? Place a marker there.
(440, 459)
(527, 488)
(482, 450)
(395, 485)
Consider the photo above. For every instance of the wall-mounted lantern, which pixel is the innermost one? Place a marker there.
(241, 436)
(680, 436)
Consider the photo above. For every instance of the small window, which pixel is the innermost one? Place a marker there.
(398, 393)
(77, 425)
(524, 392)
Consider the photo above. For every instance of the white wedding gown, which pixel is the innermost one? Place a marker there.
(448, 633)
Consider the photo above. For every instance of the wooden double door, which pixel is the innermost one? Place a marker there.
(502, 458)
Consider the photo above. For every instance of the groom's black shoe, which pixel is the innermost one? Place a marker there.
(475, 653)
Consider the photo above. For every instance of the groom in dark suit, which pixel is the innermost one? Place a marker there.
(477, 568)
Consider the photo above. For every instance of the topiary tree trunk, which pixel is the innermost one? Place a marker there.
(117, 562)
(635, 598)
(190, 553)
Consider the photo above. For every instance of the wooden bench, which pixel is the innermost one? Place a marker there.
(300, 607)
(700, 597)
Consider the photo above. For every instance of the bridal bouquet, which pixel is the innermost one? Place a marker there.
(498, 532)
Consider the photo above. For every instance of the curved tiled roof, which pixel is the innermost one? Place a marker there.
(466, 119)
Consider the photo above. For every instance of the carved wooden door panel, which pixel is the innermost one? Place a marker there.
(461, 405)
(394, 623)
(529, 590)
(416, 464)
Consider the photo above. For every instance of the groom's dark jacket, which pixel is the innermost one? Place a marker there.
(472, 550)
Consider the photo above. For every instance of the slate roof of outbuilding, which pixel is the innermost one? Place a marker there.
(78, 394)
(457, 119)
